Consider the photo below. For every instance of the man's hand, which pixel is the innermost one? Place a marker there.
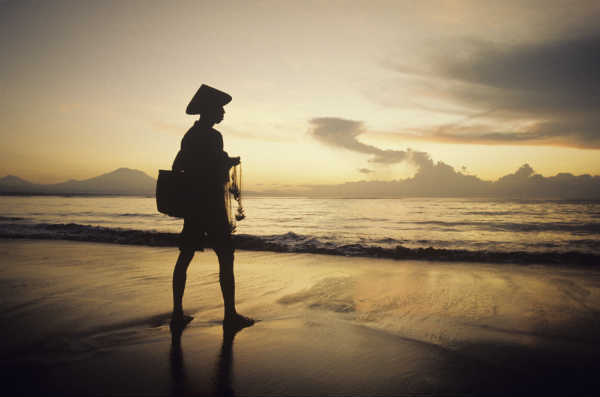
(234, 160)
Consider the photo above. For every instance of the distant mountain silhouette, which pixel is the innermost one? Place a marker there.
(11, 181)
(123, 181)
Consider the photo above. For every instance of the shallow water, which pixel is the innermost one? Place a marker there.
(443, 223)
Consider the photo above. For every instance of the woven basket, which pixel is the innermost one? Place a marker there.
(171, 198)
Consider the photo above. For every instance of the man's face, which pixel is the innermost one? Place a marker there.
(219, 115)
(215, 115)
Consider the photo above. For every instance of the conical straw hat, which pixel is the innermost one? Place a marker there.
(207, 98)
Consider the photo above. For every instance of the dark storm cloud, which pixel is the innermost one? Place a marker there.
(540, 77)
(551, 87)
(342, 133)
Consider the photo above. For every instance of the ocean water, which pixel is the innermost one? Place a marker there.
(338, 226)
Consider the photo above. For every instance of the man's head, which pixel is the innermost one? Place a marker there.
(208, 102)
(212, 115)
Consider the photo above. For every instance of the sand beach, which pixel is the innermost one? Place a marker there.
(92, 319)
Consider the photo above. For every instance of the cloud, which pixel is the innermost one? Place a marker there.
(442, 180)
(543, 93)
(540, 77)
(365, 171)
(343, 133)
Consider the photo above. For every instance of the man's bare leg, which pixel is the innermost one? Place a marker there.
(179, 279)
(226, 279)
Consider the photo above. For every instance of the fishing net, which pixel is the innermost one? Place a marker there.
(233, 192)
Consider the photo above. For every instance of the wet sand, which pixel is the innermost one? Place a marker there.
(92, 319)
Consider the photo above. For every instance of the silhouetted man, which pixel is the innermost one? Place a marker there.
(206, 169)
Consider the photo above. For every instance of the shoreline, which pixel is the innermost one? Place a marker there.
(92, 319)
(99, 234)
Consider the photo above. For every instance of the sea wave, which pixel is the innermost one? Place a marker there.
(138, 215)
(291, 242)
(488, 213)
(95, 214)
(10, 218)
(575, 227)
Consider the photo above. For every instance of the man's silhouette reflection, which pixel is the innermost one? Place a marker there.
(223, 376)
(225, 364)
(178, 374)
(206, 169)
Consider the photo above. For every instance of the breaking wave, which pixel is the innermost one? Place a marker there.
(292, 242)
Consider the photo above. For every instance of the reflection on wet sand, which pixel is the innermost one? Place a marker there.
(72, 325)
(223, 378)
(178, 374)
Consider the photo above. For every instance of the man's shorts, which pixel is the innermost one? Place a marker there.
(209, 231)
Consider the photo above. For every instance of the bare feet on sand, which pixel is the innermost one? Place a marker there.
(237, 322)
(180, 320)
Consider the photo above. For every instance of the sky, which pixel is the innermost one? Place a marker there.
(324, 92)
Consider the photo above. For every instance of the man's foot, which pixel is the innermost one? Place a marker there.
(237, 322)
(180, 320)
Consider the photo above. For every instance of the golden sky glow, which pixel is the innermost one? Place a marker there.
(88, 87)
